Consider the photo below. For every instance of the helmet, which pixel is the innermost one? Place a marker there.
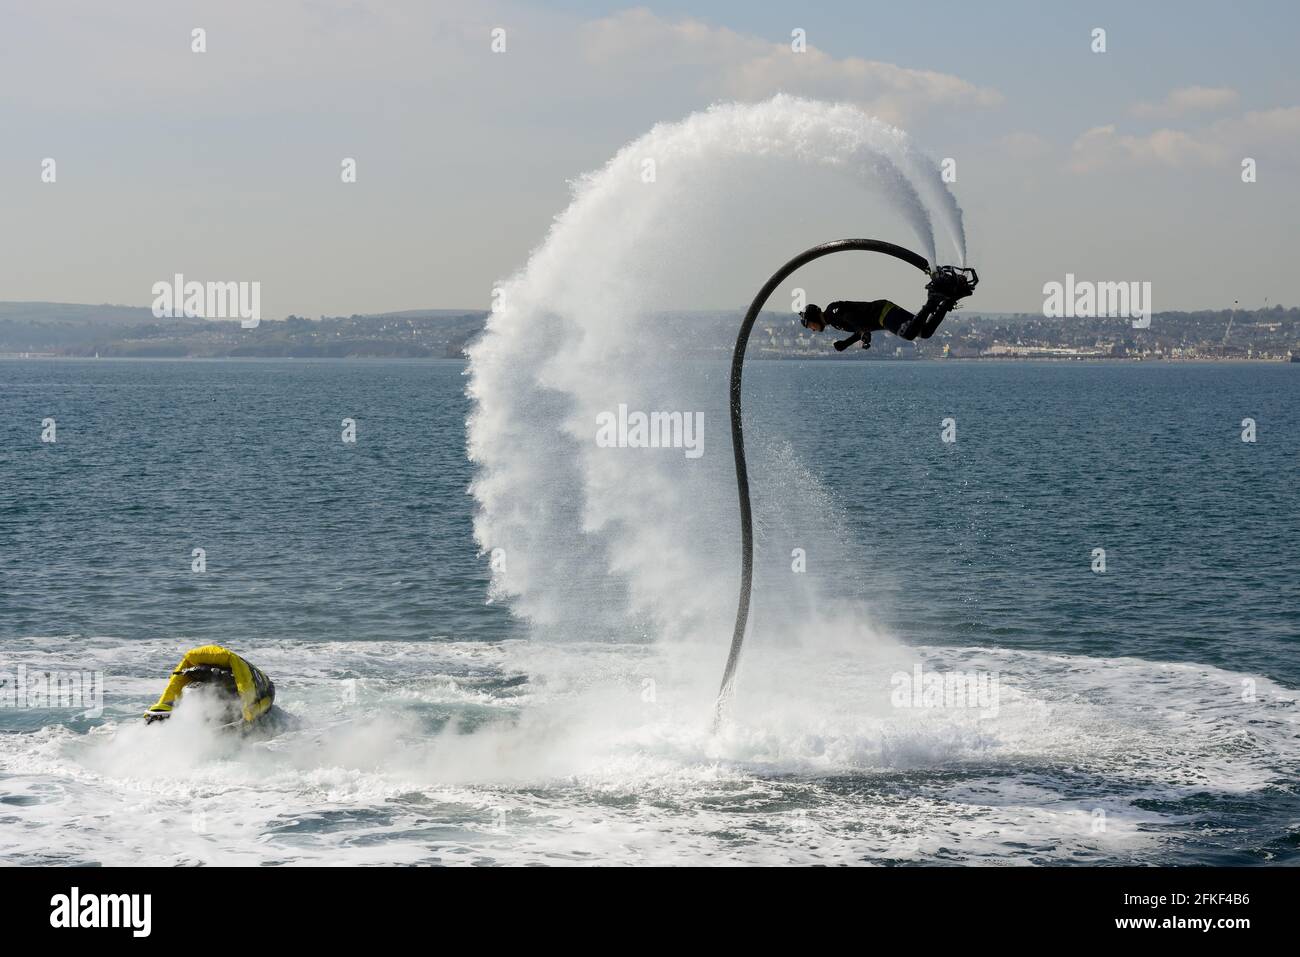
(811, 313)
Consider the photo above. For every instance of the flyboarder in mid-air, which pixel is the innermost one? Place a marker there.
(947, 285)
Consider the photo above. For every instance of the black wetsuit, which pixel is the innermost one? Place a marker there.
(864, 318)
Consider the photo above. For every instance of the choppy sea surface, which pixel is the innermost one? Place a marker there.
(1146, 713)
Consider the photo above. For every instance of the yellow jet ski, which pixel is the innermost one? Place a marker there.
(245, 692)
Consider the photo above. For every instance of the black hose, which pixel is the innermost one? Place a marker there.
(738, 438)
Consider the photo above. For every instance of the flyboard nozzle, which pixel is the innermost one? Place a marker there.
(953, 282)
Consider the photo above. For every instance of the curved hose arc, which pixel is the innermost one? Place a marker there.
(738, 438)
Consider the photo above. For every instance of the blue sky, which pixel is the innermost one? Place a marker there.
(1116, 166)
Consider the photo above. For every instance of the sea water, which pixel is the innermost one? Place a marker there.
(1141, 714)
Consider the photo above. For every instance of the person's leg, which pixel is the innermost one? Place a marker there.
(929, 317)
(893, 317)
(936, 316)
(947, 285)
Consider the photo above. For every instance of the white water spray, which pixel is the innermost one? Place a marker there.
(599, 542)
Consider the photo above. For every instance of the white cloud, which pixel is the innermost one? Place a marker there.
(1222, 142)
(303, 54)
(746, 67)
(1186, 100)
(1280, 125)
(1103, 146)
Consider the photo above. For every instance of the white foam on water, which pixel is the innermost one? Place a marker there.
(580, 760)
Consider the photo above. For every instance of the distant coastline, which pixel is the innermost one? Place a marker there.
(828, 357)
(35, 330)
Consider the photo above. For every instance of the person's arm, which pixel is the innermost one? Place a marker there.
(845, 343)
